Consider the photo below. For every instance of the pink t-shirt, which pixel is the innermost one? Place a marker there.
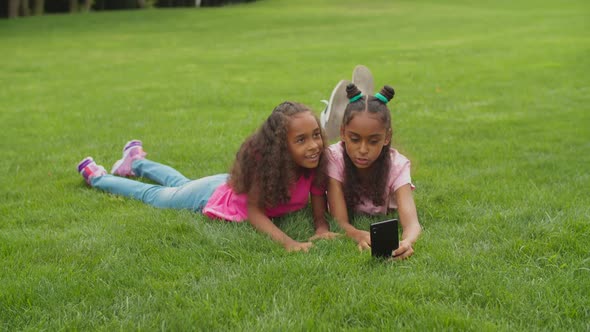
(399, 175)
(226, 204)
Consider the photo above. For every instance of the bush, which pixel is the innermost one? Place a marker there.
(115, 4)
(191, 3)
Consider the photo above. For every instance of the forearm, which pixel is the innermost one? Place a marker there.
(338, 208)
(346, 226)
(341, 217)
(263, 224)
(409, 220)
(408, 215)
(411, 231)
(318, 207)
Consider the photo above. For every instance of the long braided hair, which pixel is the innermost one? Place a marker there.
(373, 187)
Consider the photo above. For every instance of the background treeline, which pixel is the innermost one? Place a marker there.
(16, 8)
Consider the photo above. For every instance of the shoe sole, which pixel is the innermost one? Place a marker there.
(363, 79)
(116, 166)
(335, 110)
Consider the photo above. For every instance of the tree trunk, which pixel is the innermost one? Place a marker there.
(73, 6)
(39, 7)
(13, 8)
(141, 3)
(25, 9)
(87, 5)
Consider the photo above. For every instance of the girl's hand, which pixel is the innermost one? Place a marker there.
(298, 246)
(404, 251)
(362, 238)
(324, 234)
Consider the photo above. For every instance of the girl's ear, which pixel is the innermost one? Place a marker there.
(387, 137)
(342, 133)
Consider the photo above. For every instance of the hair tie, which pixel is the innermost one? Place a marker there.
(355, 98)
(381, 97)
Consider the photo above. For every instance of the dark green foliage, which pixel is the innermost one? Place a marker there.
(191, 3)
(115, 4)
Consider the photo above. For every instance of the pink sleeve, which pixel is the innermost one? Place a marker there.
(400, 172)
(335, 167)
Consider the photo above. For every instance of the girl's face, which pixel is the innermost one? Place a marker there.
(304, 140)
(364, 137)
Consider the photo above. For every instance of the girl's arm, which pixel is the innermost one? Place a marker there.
(340, 213)
(408, 216)
(263, 224)
(322, 228)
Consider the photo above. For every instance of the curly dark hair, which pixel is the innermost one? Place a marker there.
(263, 162)
(374, 186)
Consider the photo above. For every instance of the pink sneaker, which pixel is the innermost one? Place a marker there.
(89, 169)
(133, 150)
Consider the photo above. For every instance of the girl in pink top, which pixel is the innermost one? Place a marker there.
(366, 174)
(275, 172)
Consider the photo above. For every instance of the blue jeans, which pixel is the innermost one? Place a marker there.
(175, 191)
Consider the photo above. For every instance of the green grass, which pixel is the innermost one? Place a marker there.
(491, 107)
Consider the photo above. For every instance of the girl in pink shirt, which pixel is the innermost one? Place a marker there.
(366, 174)
(275, 172)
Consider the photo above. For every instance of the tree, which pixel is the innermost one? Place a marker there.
(39, 8)
(25, 10)
(76, 6)
(87, 4)
(13, 6)
(73, 6)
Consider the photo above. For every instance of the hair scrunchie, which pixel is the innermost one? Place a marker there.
(381, 97)
(355, 98)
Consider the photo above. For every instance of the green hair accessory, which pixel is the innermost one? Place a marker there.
(381, 97)
(355, 98)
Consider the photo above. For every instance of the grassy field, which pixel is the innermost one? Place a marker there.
(491, 107)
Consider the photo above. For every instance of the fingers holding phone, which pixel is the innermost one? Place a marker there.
(405, 250)
(362, 238)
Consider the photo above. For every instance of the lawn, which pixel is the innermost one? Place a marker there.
(491, 106)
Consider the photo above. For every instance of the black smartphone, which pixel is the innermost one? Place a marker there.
(384, 238)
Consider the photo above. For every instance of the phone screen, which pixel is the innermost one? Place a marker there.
(384, 238)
